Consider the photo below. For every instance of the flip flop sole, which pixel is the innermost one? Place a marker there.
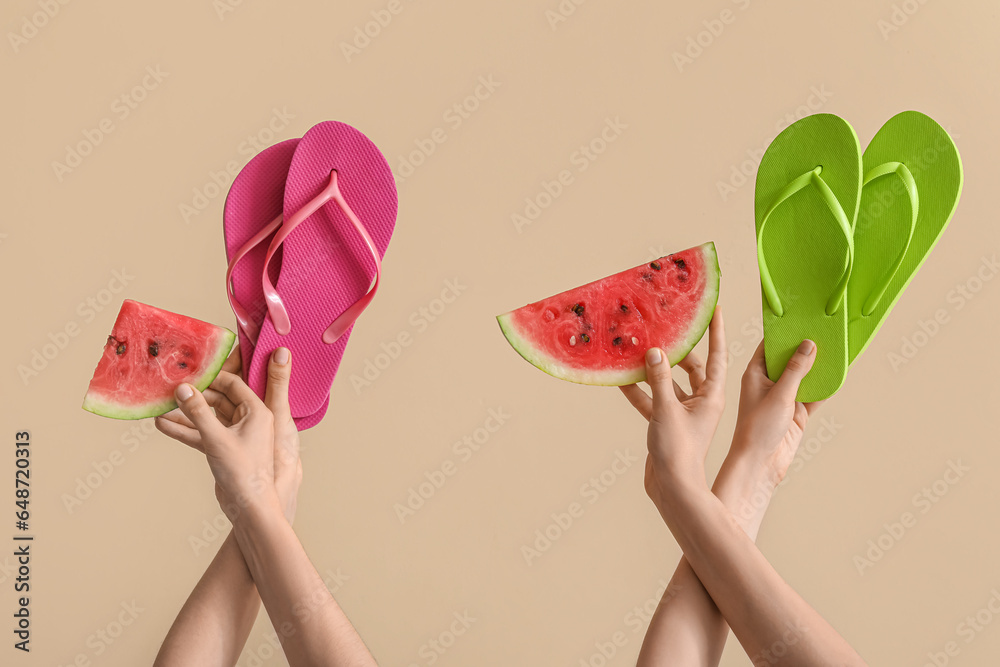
(326, 266)
(807, 247)
(254, 200)
(930, 155)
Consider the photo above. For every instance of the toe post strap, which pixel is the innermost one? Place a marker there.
(814, 178)
(276, 307)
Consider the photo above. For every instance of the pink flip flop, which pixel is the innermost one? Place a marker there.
(339, 213)
(252, 215)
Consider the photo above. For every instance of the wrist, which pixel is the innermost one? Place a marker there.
(674, 490)
(745, 486)
(254, 526)
(249, 508)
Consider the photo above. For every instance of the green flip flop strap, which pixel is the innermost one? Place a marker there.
(810, 177)
(904, 174)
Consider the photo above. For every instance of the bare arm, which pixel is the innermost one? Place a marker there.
(687, 627)
(311, 626)
(736, 581)
(213, 625)
(252, 450)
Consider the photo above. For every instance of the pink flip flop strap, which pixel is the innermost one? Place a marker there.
(275, 306)
(249, 327)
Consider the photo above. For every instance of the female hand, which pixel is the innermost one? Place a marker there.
(252, 446)
(770, 423)
(681, 426)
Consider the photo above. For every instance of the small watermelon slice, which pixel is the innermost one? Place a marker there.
(598, 334)
(149, 352)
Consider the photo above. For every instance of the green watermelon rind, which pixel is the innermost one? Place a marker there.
(117, 411)
(620, 377)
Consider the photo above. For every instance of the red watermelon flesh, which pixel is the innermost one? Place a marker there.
(598, 334)
(149, 352)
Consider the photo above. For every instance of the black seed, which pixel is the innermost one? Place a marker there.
(624, 308)
(680, 263)
(682, 277)
(655, 266)
(154, 349)
(647, 276)
(585, 338)
(578, 309)
(120, 350)
(617, 341)
(183, 364)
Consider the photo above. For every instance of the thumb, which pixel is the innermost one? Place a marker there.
(660, 382)
(279, 373)
(800, 364)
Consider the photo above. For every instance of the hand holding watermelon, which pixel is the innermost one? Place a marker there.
(681, 426)
(242, 438)
(287, 464)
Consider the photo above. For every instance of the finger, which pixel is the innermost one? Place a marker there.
(758, 364)
(196, 408)
(279, 372)
(639, 399)
(813, 407)
(660, 382)
(224, 408)
(235, 389)
(695, 368)
(234, 363)
(177, 416)
(680, 393)
(179, 432)
(800, 363)
(718, 355)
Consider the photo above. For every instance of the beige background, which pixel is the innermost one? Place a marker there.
(653, 190)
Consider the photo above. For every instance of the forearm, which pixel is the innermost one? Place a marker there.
(213, 625)
(687, 627)
(762, 609)
(310, 624)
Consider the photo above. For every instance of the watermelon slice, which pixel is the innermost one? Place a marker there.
(598, 334)
(149, 352)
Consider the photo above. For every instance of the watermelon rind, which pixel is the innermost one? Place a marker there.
(94, 404)
(620, 377)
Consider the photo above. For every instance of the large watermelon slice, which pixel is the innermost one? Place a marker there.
(599, 333)
(149, 352)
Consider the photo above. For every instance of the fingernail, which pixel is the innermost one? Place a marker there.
(653, 356)
(281, 356)
(807, 347)
(184, 392)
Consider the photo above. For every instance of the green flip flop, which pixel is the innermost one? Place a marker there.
(913, 179)
(807, 196)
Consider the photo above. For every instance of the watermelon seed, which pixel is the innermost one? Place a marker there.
(624, 308)
(585, 338)
(680, 263)
(617, 340)
(572, 340)
(578, 309)
(655, 266)
(647, 276)
(182, 365)
(635, 341)
(154, 349)
(120, 347)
